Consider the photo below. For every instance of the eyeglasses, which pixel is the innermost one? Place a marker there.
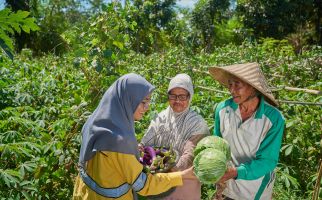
(181, 97)
(145, 104)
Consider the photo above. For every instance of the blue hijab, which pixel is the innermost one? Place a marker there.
(111, 126)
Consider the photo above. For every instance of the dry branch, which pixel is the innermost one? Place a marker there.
(300, 102)
(199, 71)
(280, 101)
(317, 92)
(211, 89)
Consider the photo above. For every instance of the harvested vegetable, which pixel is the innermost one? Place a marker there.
(213, 142)
(158, 159)
(210, 165)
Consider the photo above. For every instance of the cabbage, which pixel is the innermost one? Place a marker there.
(210, 165)
(213, 142)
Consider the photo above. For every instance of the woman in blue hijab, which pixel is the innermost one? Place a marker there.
(108, 163)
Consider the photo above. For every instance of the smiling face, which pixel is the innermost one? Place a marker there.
(178, 99)
(239, 90)
(142, 108)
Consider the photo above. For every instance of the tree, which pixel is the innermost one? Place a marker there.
(53, 17)
(11, 23)
(204, 16)
(279, 18)
(21, 39)
(318, 20)
(268, 18)
(153, 18)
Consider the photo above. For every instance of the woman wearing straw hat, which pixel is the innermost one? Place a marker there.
(253, 127)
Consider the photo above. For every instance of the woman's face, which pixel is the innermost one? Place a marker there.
(178, 99)
(142, 108)
(239, 90)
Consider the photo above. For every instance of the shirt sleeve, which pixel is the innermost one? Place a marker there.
(267, 154)
(146, 184)
(217, 122)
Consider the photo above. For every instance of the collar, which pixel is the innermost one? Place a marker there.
(234, 105)
(260, 109)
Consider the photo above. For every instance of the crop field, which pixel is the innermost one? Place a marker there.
(44, 102)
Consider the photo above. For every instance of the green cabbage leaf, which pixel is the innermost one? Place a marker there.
(213, 142)
(210, 165)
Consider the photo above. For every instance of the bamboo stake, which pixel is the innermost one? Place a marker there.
(317, 92)
(207, 88)
(199, 71)
(303, 90)
(211, 89)
(300, 102)
(317, 184)
(280, 101)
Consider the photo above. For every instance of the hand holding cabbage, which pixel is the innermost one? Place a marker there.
(211, 156)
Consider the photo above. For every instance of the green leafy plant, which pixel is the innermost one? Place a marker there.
(10, 23)
(45, 101)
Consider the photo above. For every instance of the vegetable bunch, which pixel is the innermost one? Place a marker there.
(157, 159)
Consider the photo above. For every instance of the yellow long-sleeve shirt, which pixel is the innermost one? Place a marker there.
(112, 169)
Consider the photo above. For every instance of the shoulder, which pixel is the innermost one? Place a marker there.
(159, 117)
(196, 122)
(273, 113)
(193, 119)
(193, 115)
(224, 104)
(163, 112)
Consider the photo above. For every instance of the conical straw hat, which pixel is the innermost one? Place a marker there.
(249, 73)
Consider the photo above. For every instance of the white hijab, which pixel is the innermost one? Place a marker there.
(171, 129)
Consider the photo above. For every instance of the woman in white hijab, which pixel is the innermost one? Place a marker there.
(181, 128)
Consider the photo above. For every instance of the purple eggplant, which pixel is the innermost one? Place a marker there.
(150, 151)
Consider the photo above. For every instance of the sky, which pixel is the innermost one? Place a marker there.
(1, 4)
(186, 3)
(182, 3)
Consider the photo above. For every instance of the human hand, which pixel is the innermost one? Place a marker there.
(220, 187)
(188, 174)
(230, 173)
(141, 147)
(174, 169)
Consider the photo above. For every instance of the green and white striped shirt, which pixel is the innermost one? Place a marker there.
(255, 145)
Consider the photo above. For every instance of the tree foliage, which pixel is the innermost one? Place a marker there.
(279, 18)
(11, 22)
(205, 15)
(152, 18)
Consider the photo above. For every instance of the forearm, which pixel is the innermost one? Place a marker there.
(158, 183)
(255, 169)
(186, 159)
